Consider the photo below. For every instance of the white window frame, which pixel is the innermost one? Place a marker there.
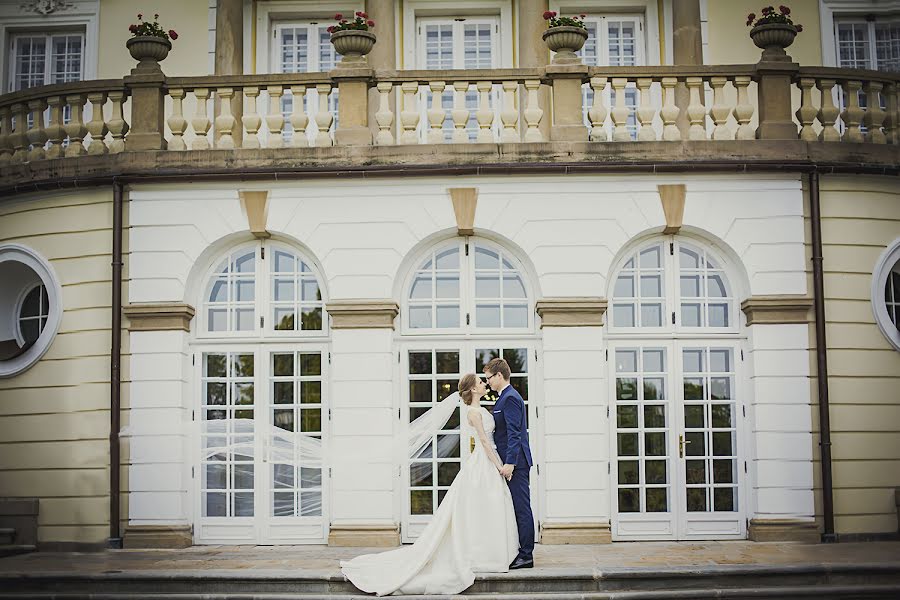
(44, 271)
(43, 312)
(602, 21)
(82, 17)
(887, 262)
(648, 10)
(414, 11)
(672, 291)
(48, 50)
(262, 296)
(467, 299)
(832, 12)
(458, 38)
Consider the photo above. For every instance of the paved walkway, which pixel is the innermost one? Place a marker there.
(322, 561)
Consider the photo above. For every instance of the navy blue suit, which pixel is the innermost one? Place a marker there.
(511, 437)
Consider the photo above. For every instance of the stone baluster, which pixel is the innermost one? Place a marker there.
(828, 112)
(274, 118)
(384, 116)
(200, 122)
(720, 110)
(743, 110)
(533, 112)
(509, 116)
(5, 133)
(75, 128)
(670, 111)
(645, 112)
(891, 126)
(485, 115)
(436, 113)
(806, 114)
(97, 125)
(36, 134)
(597, 112)
(460, 113)
(18, 139)
(324, 117)
(176, 121)
(696, 111)
(117, 125)
(251, 120)
(299, 118)
(852, 114)
(874, 117)
(409, 114)
(620, 111)
(225, 121)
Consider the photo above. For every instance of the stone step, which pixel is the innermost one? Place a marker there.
(738, 582)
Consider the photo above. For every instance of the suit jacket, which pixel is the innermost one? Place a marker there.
(510, 430)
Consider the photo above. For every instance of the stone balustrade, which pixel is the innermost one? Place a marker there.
(361, 106)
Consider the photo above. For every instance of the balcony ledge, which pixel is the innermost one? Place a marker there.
(451, 159)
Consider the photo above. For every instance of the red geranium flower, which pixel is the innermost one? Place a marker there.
(132, 28)
(370, 23)
(784, 10)
(140, 16)
(172, 34)
(338, 17)
(799, 28)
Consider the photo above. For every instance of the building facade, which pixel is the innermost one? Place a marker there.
(271, 262)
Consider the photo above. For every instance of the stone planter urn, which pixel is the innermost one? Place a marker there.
(565, 41)
(148, 50)
(773, 38)
(353, 45)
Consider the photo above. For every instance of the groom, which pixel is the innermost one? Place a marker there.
(511, 437)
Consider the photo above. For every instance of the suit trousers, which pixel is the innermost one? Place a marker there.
(520, 488)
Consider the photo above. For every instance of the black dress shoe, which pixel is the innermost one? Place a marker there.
(522, 563)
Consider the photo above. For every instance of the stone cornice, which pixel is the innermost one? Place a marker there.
(776, 310)
(449, 159)
(362, 314)
(162, 316)
(571, 311)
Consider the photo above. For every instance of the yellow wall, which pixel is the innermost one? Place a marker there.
(187, 17)
(54, 417)
(860, 217)
(729, 36)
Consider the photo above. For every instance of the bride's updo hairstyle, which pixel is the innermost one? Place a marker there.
(466, 387)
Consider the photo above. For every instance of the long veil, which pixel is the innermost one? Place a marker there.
(234, 440)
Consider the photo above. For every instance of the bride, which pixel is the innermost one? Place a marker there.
(472, 531)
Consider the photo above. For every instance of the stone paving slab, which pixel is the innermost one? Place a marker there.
(323, 561)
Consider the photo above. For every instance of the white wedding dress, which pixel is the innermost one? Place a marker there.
(472, 531)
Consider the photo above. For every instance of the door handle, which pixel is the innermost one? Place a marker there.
(681, 444)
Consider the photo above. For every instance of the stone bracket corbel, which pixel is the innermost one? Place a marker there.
(255, 205)
(672, 198)
(464, 202)
(777, 310)
(571, 311)
(362, 314)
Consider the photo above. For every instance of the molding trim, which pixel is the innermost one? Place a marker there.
(672, 198)
(362, 314)
(571, 311)
(364, 536)
(162, 316)
(464, 202)
(783, 530)
(256, 208)
(777, 310)
(157, 536)
(576, 533)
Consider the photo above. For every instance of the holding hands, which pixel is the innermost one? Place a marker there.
(507, 471)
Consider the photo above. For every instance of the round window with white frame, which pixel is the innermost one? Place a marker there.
(886, 293)
(468, 283)
(30, 308)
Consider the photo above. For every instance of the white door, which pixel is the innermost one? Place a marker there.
(676, 414)
(430, 373)
(261, 477)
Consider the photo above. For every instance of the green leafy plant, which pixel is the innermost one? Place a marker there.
(151, 28)
(770, 16)
(557, 21)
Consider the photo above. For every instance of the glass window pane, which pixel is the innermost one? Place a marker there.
(654, 361)
(448, 259)
(690, 286)
(651, 315)
(655, 471)
(629, 472)
(688, 259)
(690, 315)
(650, 258)
(627, 417)
(487, 286)
(486, 258)
(310, 290)
(447, 286)
(421, 287)
(623, 315)
(629, 500)
(651, 286)
(311, 318)
(626, 361)
(718, 315)
(284, 290)
(447, 316)
(487, 315)
(513, 287)
(515, 316)
(657, 500)
(624, 286)
(420, 317)
(284, 318)
(310, 363)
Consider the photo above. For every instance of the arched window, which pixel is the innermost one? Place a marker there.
(250, 291)
(672, 285)
(675, 361)
(262, 365)
(472, 285)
